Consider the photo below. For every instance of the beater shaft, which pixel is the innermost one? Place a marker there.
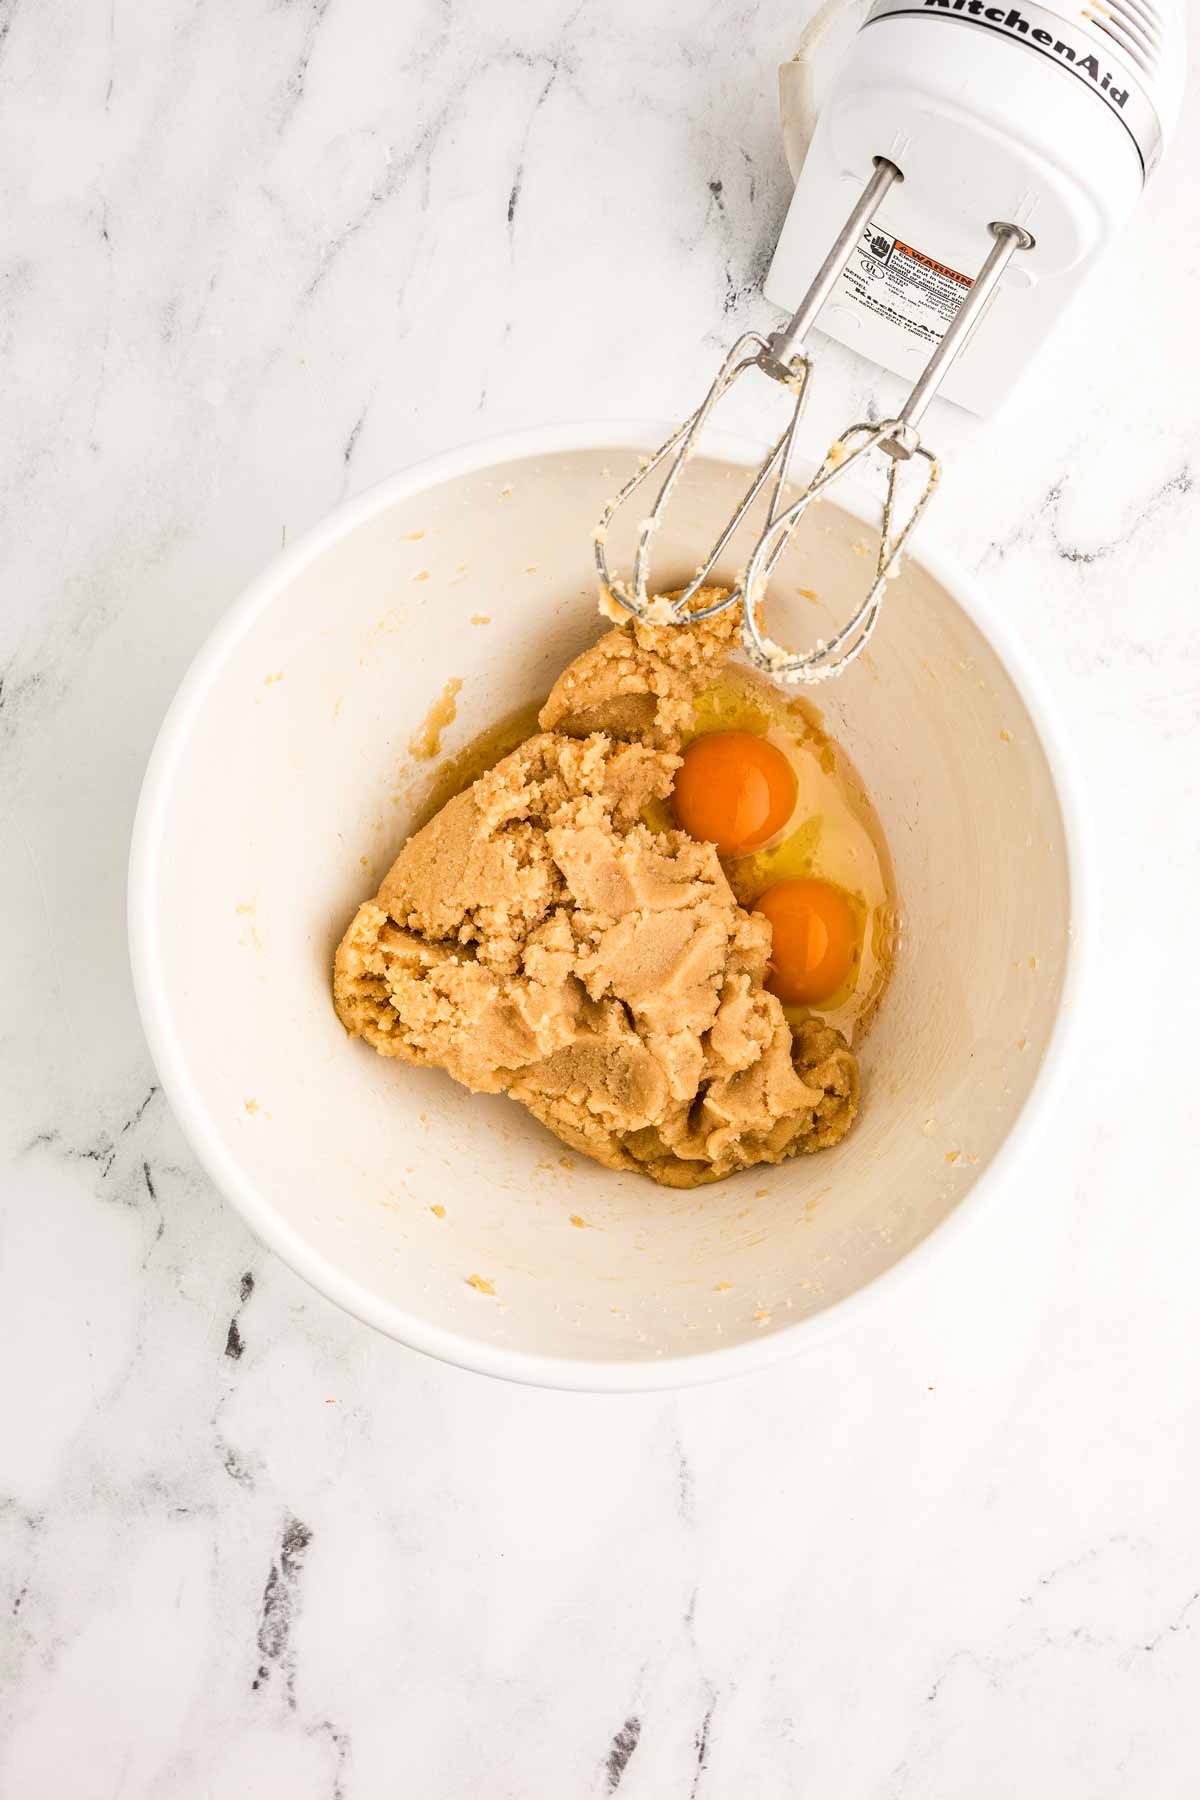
(900, 438)
(780, 357)
(1007, 240)
(785, 342)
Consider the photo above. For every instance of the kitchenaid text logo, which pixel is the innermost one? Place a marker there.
(1013, 19)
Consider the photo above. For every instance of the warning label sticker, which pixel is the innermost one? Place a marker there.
(903, 285)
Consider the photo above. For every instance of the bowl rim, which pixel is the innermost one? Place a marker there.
(255, 1206)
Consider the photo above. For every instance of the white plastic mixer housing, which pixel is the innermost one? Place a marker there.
(1044, 115)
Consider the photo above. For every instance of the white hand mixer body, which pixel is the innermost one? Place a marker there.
(970, 163)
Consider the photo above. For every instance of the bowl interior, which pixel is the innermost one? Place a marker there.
(283, 786)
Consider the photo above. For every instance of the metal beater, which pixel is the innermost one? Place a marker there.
(781, 357)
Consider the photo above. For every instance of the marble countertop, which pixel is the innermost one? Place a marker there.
(254, 259)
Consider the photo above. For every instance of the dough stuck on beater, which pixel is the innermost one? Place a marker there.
(537, 938)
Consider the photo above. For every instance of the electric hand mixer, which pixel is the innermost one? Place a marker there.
(1012, 140)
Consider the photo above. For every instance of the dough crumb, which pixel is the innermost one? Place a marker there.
(480, 1285)
(537, 938)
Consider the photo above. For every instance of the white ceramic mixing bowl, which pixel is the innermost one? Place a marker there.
(277, 795)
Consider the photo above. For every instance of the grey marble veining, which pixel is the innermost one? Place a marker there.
(253, 259)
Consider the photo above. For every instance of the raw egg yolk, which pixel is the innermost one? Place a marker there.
(812, 939)
(734, 790)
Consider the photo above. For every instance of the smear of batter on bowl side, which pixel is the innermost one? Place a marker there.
(538, 936)
(425, 743)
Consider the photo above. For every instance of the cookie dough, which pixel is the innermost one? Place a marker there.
(538, 938)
